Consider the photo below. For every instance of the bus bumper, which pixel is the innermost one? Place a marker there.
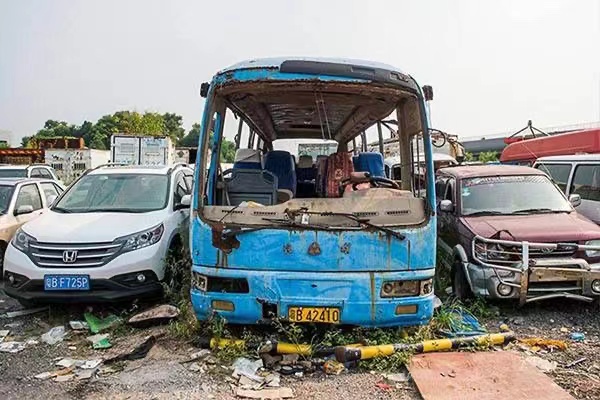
(268, 294)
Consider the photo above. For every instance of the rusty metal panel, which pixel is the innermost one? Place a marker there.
(481, 376)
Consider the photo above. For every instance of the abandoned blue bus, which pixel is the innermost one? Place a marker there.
(321, 240)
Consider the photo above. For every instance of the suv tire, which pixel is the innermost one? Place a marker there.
(460, 285)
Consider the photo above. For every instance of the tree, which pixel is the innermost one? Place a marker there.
(469, 156)
(191, 139)
(173, 125)
(488, 156)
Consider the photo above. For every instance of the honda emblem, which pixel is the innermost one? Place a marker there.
(69, 256)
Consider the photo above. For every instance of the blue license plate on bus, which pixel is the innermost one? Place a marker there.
(66, 282)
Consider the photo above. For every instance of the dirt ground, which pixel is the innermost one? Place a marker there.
(163, 375)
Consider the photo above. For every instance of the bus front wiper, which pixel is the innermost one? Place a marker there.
(362, 221)
(539, 211)
(276, 221)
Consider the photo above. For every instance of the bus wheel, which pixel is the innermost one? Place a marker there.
(460, 285)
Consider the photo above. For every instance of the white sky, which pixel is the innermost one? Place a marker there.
(493, 64)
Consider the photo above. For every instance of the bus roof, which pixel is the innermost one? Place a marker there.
(585, 141)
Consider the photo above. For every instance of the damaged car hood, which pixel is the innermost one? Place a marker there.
(536, 227)
(56, 227)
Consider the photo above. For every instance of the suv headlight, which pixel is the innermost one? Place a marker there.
(593, 253)
(21, 240)
(142, 239)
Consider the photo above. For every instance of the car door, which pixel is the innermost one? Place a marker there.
(586, 183)
(36, 173)
(50, 189)
(179, 216)
(27, 195)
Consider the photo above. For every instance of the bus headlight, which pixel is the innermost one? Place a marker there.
(406, 288)
(199, 282)
(593, 253)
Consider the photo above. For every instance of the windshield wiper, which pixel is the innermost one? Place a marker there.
(115, 210)
(276, 221)
(487, 212)
(362, 221)
(539, 211)
(61, 210)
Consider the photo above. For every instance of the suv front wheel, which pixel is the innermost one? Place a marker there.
(460, 285)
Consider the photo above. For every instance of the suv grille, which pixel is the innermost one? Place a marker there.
(67, 255)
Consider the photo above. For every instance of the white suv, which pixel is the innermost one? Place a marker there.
(105, 239)
(28, 171)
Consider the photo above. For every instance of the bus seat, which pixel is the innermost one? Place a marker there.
(251, 185)
(281, 164)
(306, 174)
(321, 167)
(355, 163)
(247, 159)
(371, 163)
(339, 167)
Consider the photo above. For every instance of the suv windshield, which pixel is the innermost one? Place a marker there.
(116, 193)
(13, 173)
(5, 196)
(511, 195)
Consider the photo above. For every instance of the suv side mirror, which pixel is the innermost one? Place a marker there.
(186, 201)
(446, 206)
(24, 209)
(575, 200)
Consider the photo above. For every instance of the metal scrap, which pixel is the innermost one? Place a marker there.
(21, 313)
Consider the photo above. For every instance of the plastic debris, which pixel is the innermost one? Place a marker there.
(154, 316)
(44, 376)
(85, 374)
(99, 341)
(541, 364)
(12, 347)
(462, 323)
(195, 367)
(273, 380)
(577, 336)
(54, 335)
(332, 367)
(246, 367)
(79, 325)
(64, 378)
(564, 330)
(504, 328)
(140, 350)
(397, 378)
(100, 324)
(437, 303)
(21, 313)
(266, 394)
(3, 334)
(548, 344)
(383, 386)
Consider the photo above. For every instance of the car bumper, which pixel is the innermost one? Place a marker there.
(114, 281)
(356, 295)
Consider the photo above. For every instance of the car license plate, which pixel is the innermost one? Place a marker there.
(314, 314)
(66, 282)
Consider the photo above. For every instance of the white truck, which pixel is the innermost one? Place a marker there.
(70, 164)
(141, 150)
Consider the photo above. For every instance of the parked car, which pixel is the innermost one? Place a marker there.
(577, 174)
(106, 238)
(29, 171)
(22, 200)
(507, 232)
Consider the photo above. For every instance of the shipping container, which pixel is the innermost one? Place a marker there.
(69, 164)
(141, 150)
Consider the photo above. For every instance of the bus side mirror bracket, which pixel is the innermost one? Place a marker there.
(204, 87)
(428, 92)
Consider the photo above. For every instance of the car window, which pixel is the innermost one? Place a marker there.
(440, 188)
(49, 190)
(6, 192)
(13, 173)
(36, 173)
(45, 173)
(586, 182)
(189, 181)
(449, 193)
(558, 172)
(180, 188)
(29, 195)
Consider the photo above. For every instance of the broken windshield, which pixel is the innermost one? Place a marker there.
(533, 194)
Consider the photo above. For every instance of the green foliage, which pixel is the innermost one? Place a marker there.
(488, 156)
(191, 139)
(469, 157)
(193, 136)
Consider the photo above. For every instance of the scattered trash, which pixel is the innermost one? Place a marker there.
(266, 394)
(273, 380)
(100, 324)
(195, 367)
(504, 328)
(72, 347)
(44, 376)
(99, 341)
(245, 367)
(3, 334)
(383, 386)
(397, 378)
(13, 325)
(289, 359)
(21, 313)
(85, 374)
(79, 325)
(246, 383)
(64, 378)
(270, 361)
(577, 336)
(54, 335)
(332, 367)
(462, 323)
(91, 364)
(564, 330)
(541, 364)
(138, 351)
(197, 356)
(68, 363)
(574, 363)
(437, 303)
(12, 347)
(155, 316)
(518, 320)
(548, 344)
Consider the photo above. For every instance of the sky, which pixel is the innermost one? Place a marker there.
(493, 64)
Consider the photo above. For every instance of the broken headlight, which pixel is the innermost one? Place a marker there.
(21, 240)
(491, 251)
(142, 239)
(593, 253)
(400, 288)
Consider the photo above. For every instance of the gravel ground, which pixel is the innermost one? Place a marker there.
(161, 375)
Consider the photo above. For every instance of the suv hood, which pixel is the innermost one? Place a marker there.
(536, 227)
(53, 227)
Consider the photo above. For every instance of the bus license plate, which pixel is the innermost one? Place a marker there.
(66, 282)
(314, 314)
